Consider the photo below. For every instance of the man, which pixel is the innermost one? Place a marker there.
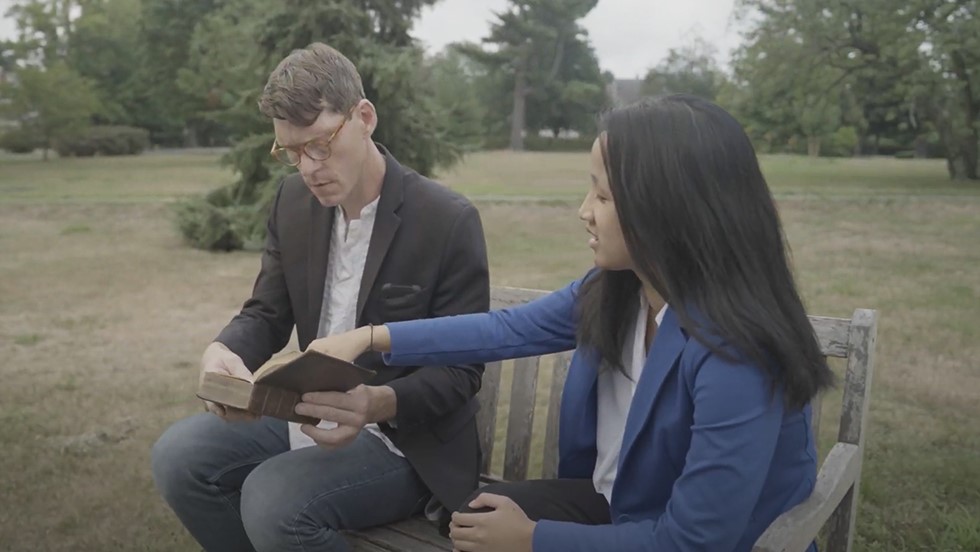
(354, 239)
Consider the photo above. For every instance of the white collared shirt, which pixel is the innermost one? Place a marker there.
(349, 241)
(615, 394)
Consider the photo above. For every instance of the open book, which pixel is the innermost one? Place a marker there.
(280, 383)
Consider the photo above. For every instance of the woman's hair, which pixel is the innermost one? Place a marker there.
(701, 226)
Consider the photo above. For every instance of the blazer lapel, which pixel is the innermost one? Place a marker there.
(386, 224)
(321, 227)
(661, 360)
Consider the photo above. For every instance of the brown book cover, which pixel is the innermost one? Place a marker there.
(280, 383)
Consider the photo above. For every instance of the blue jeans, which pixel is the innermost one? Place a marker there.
(237, 486)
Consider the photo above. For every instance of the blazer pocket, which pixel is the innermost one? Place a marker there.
(395, 291)
(402, 299)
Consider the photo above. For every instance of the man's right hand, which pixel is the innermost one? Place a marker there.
(220, 359)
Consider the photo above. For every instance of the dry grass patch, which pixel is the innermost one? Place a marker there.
(104, 314)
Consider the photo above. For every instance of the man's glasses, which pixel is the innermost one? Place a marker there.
(316, 149)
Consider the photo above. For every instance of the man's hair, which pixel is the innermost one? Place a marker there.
(309, 81)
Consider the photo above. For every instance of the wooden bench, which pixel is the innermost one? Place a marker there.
(829, 511)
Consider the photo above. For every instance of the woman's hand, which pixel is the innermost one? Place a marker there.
(346, 346)
(505, 529)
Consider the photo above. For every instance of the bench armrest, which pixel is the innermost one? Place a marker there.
(796, 529)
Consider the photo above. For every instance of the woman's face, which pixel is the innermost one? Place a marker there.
(598, 212)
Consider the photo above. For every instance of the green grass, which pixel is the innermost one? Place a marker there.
(146, 178)
(104, 313)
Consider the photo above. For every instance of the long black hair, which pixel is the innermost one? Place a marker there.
(701, 226)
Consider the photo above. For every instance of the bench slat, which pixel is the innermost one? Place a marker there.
(832, 334)
(797, 528)
(549, 468)
(486, 417)
(414, 534)
(503, 297)
(522, 395)
(854, 418)
(358, 544)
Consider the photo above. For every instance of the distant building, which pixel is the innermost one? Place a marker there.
(624, 91)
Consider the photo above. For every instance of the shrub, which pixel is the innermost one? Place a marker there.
(104, 140)
(540, 143)
(841, 143)
(19, 141)
(206, 226)
(213, 223)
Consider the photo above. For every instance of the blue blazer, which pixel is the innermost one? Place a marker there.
(710, 455)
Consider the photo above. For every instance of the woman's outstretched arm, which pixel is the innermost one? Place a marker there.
(545, 325)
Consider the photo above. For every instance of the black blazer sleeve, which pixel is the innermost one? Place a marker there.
(463, 287)
(264, 325)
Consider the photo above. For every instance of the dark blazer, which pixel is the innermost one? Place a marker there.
(710, 455)
(427, 258)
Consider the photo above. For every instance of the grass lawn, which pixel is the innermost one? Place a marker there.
(104, 314)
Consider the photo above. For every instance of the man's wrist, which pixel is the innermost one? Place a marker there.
(384, 403)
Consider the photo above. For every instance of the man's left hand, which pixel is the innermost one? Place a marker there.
(351, 411)
(505, 529)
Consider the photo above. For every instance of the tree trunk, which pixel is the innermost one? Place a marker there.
(813, 146)
(961, 151)
(962, 147)
(517, 115)
(921, 147)
(961, 159)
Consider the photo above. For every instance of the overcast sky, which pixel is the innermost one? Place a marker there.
(629, 36)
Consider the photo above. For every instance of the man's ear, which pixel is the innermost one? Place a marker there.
(368, 115)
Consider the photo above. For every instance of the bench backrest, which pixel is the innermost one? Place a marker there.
(833, 503)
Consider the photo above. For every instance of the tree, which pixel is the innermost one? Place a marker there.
(374, 34)
(223, 69)
(571, 100)
(453, 80)
(44, 28)
(103, 48)
(95, 38)
(924, 52)
(164, 33)
(529, 42)
(788, 95)
(50, 103)
(948, 88)
(690, 69)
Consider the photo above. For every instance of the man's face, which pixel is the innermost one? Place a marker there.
(330, 180)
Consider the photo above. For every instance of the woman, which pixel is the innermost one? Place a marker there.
(685, 419)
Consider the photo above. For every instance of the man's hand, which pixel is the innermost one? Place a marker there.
(351, 411)
(220, 359)
(505, 529)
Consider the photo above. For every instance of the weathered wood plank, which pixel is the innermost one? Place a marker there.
(549, 469)
(832, 333)
(388, 539)
(796, 529)
(502, 297)
(486, 417)
(519, 423)
(816, 408)
(414, 535)
(423, 531)
(854, 418)
(359, 544)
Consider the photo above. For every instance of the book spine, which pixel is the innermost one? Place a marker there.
(279, 403)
